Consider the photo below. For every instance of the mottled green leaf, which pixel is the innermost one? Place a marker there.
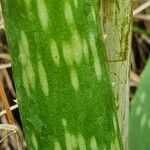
(60, 68)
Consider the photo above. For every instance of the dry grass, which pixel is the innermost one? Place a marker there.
(141, 41)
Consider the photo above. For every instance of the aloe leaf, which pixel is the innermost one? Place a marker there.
(61, 74)
(140, 114)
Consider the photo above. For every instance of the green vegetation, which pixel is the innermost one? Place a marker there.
(140, 115)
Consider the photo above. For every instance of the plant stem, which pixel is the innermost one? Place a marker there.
(117, 29)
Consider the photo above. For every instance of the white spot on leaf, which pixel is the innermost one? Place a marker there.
(54, 52)
(71, 140)
(142, 98)
(68, 141)
(43, 78)
(23, 48)
(57, 145)
(77, 47)
(68, 13)
(64, 122)
(93, 13)
(81, 142)
(68, 138)
(74, 79)
(28, 75)
(34, 141)
(95, 56)
(85, 50)
(93, 144)
(43, 13)
(74, 141)
(75, 3)
(67, 53)
(138, 111)
(143, 120)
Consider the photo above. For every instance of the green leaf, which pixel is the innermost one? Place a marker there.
(140, 114)
(61, 74)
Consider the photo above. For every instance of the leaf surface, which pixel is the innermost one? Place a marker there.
(140, 114)
(60, 68)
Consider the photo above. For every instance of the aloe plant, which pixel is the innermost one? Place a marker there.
(61, 74)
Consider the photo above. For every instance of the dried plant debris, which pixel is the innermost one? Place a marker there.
(140, 42)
